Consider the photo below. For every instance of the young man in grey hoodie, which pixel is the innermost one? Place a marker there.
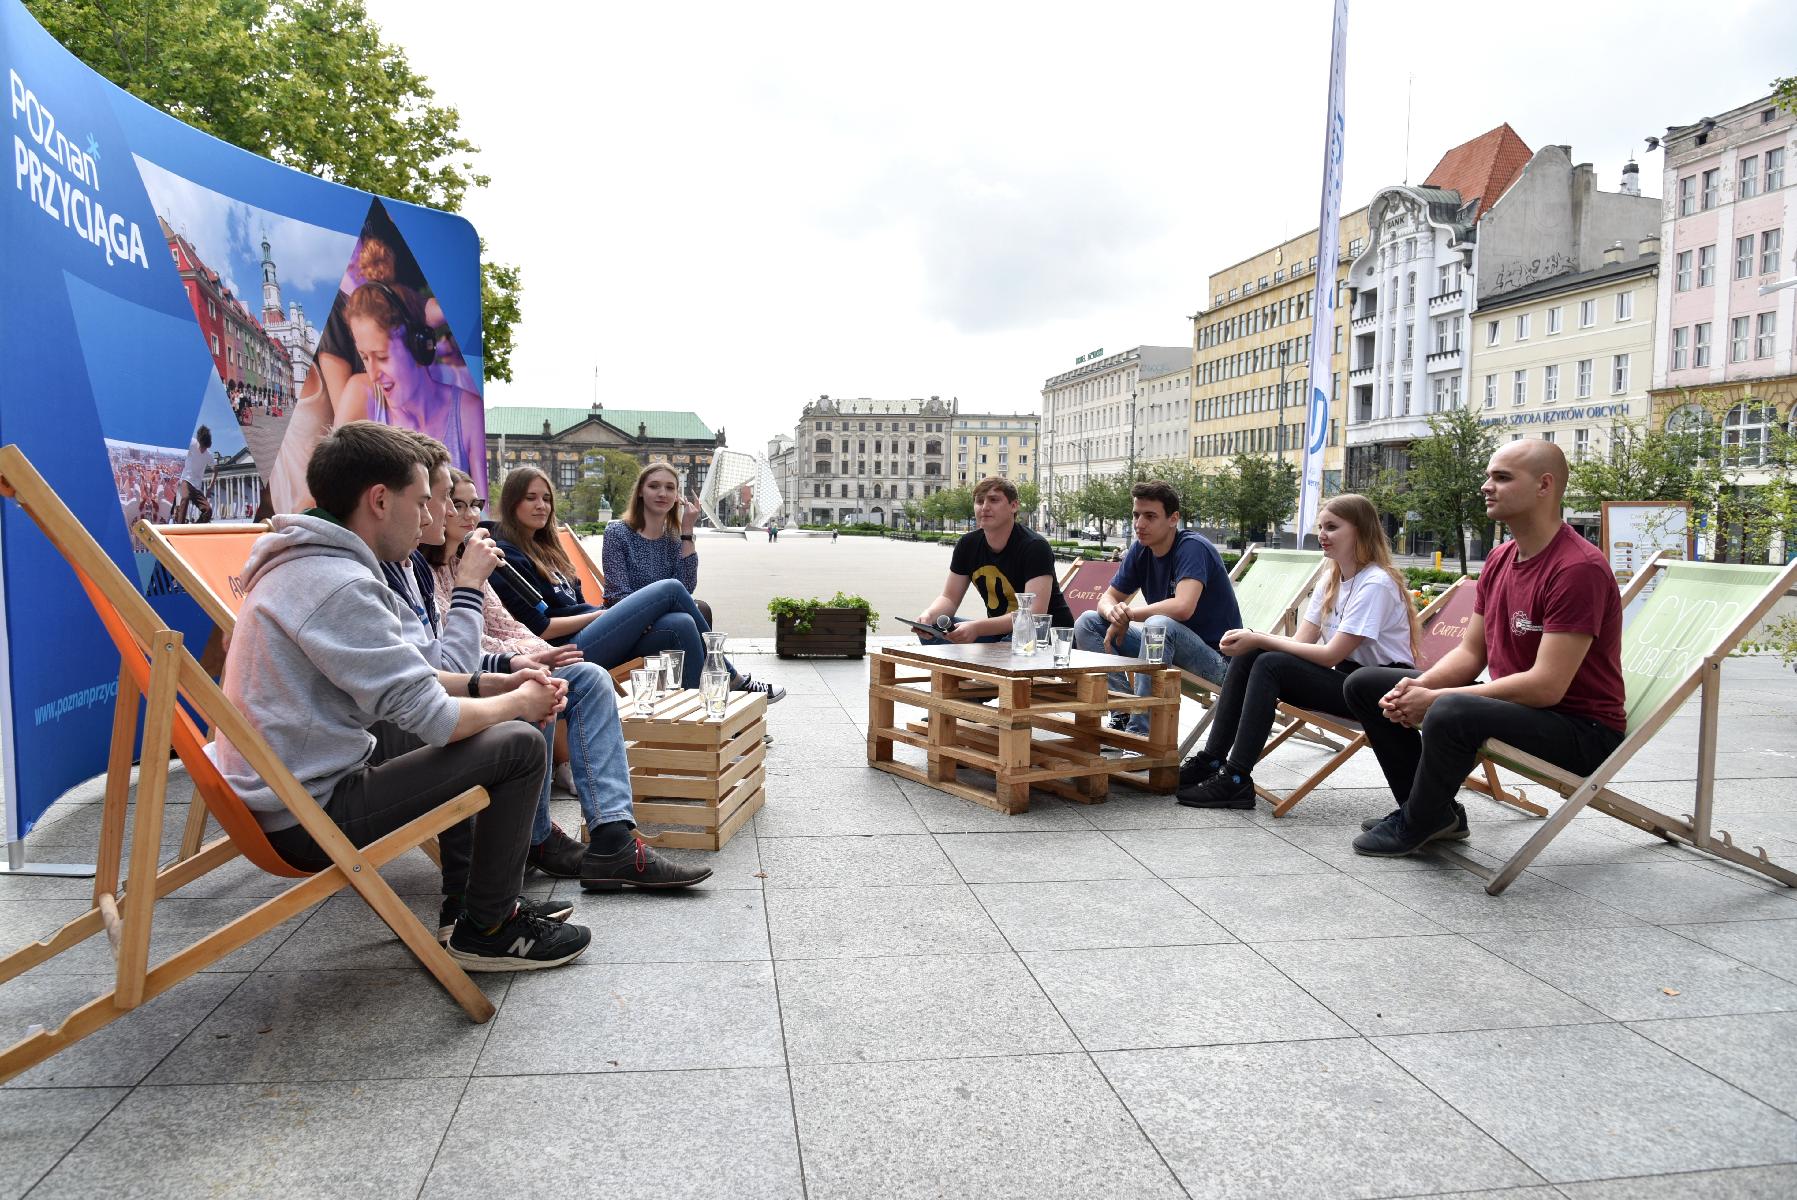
(319, 657)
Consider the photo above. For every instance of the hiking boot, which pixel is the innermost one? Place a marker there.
(549, 910)
(1225, 789)
(1459, 833)
(773, 691)
(521, 943)
(1197, 769)
(1393, 837)
(636, 865)
(557, 856)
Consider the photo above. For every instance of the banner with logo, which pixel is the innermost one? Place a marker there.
(1323, 300)
(180, 323)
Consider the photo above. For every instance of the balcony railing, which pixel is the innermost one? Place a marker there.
(1446, 300)
(1362, 324)
(1360, 375)
(1443, 359)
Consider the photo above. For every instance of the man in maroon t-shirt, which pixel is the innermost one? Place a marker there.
(1547, 621)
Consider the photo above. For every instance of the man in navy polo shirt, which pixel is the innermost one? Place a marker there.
(1185, 592)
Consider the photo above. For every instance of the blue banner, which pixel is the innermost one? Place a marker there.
(180, 323)
(1323, 299)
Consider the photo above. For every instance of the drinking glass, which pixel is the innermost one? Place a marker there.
(1062, 638)
(714, 685)
(1154, 645)
(1043, 622)
(673, 663)
(642, 690)
(652, 662)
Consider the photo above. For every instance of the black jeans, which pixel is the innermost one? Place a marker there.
(483, 857)
(1252, 689)
(1426, 767)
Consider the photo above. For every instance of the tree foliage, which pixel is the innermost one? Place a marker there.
(1104, 499)
(1641, 463)
(311, 84)
(1253, 494)
(1447, 469)
(1785, 92)
(1185, 478)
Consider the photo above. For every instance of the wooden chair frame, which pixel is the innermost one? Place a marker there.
(1692, 829)
(158, 672)
(592, 579)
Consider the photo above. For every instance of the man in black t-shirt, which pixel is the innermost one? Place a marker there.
(1000, 558)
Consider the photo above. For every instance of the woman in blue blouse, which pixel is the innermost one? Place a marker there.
(660, 616)
(653, 540)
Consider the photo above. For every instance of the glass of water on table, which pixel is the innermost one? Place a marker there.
(673, 665)
(714, 686)
(642, 690)
(1154, 645)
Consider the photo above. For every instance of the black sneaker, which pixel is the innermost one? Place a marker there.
(1119, 722)
(521, 943)
(549, 910)
(1393, 837)
(557, 855)
(1225, 789)
(773, 691)
(638, 866)
(1197, 769)
(1459, 833)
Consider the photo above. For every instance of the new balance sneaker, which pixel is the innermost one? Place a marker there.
(521, 943)
(1226, 789)
(1459, 833)
(549, 910)
(557, 855)
(773, 691)
(1394, 838)
(1197, 769)
(636, 865)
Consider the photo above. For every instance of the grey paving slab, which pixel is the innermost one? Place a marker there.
(1340, 805)
(1769, 945)
(37, 1127)
(1096, 914)
(1303, 1119)
(1038, 857)
(121, 1053)
(1742, 1183)
(931, 1006)
(1756, 1053)
(1045, 1127)
(943, 813)
(736, 867)
(1456, 899)
(1673, 893)
(1177, 996)
(681, 1135)
(1641, 972)
(1586, 842)
(865, 861)
(366, 1138)
(1299, 907)
(1130, 809)
(1595, 1101)
(689, 925)
(870, 922)
(343, 933)
(604, 1017)
(838, 801)
(831, 745)
(1334, 844)
(176, 923)
(295, 1026)
(1205, 853)
(1422, 985)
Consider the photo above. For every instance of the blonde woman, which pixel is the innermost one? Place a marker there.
(1362, 617)
(653, 540)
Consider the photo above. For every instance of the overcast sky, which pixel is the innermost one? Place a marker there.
(732, 208)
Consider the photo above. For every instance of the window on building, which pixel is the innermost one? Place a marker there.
(1711, 192)
(1519, 388)
(1700, 344)
(1747, 178)
(1744, 432)
(1687, 195)
(1491, 333)
(1681, 347)
(1625, 303)
(1581, 443)
(1744, 257)
(1522, 326)
(1764, 333)
(1553, 318)
(1619, 374)
(1706, 266)
(1550, 384)
(1587, 313)
(1682, 271)
(1775, 169)
(1491, 391)
(1547, 435)
(1739, 330)
(1771, 243)
(567, 475)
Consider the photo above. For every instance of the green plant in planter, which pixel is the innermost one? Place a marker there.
(801, 612)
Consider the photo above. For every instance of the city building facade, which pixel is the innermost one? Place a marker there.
(1251, 347)
(288, 325)
(556, 440)
(243, 353)
(1163, 419)
(982, 444)
(783, 460)
(864, 460)
(1728, 289)
(1089, 414)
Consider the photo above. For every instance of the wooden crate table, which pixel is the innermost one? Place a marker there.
(1024, 720)
(686, 769)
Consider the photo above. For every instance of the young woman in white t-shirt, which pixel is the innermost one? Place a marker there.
(1362, 616)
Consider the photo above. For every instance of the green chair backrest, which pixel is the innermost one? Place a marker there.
(1693, 607)
(1272, 580)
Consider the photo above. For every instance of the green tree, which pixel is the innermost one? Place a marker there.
(1186, 479)
(1104, 499)
(1063, 509)
(1641, 463)
(1253, 494)
(1447, 469)
(1785, 92)
(1029, 498)
(308, 83)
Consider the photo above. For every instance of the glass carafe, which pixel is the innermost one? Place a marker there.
(1023, 624)
(714, 653)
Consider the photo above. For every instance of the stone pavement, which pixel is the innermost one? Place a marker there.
(888, 992)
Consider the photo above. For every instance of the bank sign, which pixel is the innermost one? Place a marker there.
(1556, 416)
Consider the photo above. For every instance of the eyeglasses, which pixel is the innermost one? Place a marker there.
(468, 505)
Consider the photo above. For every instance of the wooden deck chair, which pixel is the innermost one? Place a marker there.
(158, 671)
(1675, 645)
(1444, 624)
(1271, 587)
(1084, 583)
(592, 579)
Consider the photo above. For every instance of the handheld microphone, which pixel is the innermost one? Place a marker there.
(944, 623)
(516, 580)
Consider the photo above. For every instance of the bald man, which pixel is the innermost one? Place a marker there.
(1547, 622)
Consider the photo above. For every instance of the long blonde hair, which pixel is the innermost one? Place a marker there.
(1370, 546)
(633, 512)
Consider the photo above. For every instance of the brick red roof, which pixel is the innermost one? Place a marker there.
(1481, 169)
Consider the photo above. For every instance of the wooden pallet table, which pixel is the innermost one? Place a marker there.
(705, 776)
(1023, 720)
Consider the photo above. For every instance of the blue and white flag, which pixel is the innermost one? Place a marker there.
(1322, 308)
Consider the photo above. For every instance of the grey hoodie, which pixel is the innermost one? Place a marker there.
(319, 655)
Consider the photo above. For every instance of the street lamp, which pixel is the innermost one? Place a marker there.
(1780, 286)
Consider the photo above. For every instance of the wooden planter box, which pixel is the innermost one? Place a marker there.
(834, 633)
(705, 777)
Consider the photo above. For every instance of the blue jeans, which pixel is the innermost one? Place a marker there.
(928, 640)
(1185, 650)
(595, 751)
(661, 616)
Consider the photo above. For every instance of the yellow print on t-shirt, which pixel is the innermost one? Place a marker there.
(996, 590)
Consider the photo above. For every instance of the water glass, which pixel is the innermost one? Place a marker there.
(673, 663)
(1154, 645)
(642, 690)
(1043, 622)
(652, 662)
(714, 686)
(1062, 639)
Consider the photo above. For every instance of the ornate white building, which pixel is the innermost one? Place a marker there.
(290, 326)
(863, 459)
